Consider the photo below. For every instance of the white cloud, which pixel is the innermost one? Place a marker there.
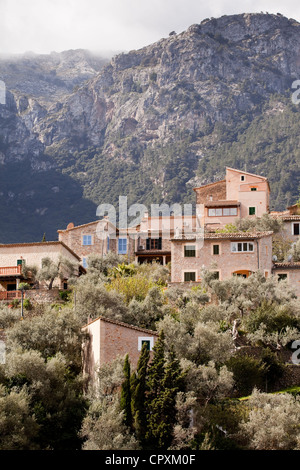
(46, 25)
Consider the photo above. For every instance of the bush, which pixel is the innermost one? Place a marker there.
(273, 367)
(27, 304)
(131, 287)
(275, 317)
(65, 295)
(248, 373)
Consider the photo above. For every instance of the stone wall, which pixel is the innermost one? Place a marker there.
(226, 262)
(42, 295)
(108, 339)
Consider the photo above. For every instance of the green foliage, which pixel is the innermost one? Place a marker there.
(18, 427)
(65, 295)
(49, 334)
(272, 422)
(125, 401)
(131, 287)
(51, 270)
(248, 373)
(139, 387)
(27, 304)
(275, 318)
(56, 400)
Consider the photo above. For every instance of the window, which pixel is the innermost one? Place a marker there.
(87, 239)
(190, 251)
(242, 177)
(84, 263)
(122, 246)
(253, 189)
(107, 246)
(216, 274)
(296, 229)
(20, 262)
(145, 339)
(222, 211)
(241, 247)
(251, 210)
(153, 244)
(191, 276)
(282, 276)
(216, 249)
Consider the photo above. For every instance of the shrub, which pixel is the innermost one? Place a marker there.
(65, 295)
(27, 304)
(248, 373)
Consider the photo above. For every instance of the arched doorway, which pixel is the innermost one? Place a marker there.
(242, 273)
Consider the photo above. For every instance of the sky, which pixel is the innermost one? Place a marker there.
(42, 26)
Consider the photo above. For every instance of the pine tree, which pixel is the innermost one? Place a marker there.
(125, 401)
(138, 395)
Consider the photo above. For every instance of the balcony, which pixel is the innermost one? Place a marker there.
(10, 270)
(10, 294)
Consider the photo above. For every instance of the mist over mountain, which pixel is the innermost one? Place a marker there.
(78, 130)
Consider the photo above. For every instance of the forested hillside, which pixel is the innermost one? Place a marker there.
(151, 124)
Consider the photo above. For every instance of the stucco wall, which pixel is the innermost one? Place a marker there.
(33, 254)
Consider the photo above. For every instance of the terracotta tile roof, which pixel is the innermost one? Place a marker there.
(221, 203)
(291, 217)
(120, 323)
(209, 184)
(95, 222)
(247, 173)
(286, 265)
(12, 245)
(229, 236)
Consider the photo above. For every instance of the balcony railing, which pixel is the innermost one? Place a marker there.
(10, 294)
(10, 270)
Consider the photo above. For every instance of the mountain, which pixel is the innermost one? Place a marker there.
(149, 124)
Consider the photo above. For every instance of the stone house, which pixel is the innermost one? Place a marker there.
(289, 271)
(147, 241)
(291, 222)
(107, 339)
(154, 234)
(91, 238)
(240, 194)
(226, 254)
(14, 256)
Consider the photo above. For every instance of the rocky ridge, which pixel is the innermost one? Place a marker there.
(148, 123)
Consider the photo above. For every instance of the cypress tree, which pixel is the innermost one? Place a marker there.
(165, 381)
(155, 383)
(125, 401)
(138, 395)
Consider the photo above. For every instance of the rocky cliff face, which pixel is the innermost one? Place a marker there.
(150, 123)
